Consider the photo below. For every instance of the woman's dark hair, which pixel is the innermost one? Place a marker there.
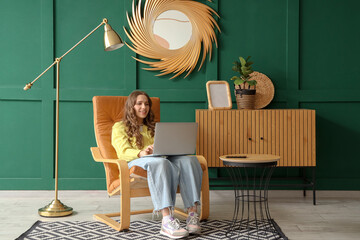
(130, 119)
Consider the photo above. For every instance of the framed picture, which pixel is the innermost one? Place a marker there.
(218, 93)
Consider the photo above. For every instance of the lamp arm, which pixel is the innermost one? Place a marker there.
(103, 22)
(29, 85)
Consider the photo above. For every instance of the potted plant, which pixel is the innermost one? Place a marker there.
(245, 89)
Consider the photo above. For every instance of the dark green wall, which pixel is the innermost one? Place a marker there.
(309, 49)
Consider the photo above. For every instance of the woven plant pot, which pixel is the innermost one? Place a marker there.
(245, 98)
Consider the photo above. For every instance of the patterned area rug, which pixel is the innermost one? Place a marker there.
(139, 230)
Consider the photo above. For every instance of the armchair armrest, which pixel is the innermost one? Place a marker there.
(202, 162)
(135, 171)
(95, 151)
(124, 175)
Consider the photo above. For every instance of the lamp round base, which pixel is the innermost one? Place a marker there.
(55, 209)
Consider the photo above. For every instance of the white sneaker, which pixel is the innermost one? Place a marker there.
(172, 229)
(193, 223)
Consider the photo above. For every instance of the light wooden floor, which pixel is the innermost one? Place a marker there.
(336, 216)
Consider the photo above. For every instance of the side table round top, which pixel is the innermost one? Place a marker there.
(250, 158)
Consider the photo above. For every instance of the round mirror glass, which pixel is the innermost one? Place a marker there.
(172, 29)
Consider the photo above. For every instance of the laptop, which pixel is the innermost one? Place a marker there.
(174, 138)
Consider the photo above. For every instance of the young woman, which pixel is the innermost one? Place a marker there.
(133, 138)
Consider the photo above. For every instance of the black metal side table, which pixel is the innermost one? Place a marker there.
(250, 175)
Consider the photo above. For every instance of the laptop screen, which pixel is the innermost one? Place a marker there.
(175, 138)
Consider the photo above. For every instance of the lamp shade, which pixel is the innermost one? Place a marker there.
(112, 40)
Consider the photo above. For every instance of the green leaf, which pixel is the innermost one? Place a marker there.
(244, 68)
(239, 81)
(234, 78)
(247, 59)
(236, 66)
(247, 72)
(242, 60)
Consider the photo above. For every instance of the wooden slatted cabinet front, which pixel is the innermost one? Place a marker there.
(289, 133)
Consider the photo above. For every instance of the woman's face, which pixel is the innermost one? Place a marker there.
(141, 108)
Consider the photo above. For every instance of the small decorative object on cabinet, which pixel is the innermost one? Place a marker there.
(264, 90)
(245, 87)
(218, 93)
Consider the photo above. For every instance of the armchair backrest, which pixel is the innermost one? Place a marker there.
(107, 111)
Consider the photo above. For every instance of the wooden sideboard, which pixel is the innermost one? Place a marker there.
(289, 133)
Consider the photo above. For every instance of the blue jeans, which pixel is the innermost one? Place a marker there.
(164, 175)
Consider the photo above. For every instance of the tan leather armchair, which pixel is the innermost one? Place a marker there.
(119, 179)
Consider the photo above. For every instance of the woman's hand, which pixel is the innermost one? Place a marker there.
(149, 149)
(146, 151)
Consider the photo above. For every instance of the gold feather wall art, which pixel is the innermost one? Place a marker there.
(172, 33)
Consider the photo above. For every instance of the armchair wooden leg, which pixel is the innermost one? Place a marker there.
(107, 219)
(124, 202)
(205, 202)
(125, 211)
(124, 195)
(124, 215)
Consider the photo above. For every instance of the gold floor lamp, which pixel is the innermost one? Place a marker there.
(112, 41)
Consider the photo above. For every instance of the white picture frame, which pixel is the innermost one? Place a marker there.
(218, 93)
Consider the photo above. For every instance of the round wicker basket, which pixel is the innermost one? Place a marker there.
(264, 90)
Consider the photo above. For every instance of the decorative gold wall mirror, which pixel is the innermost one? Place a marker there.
(172, 29)
(172, 32)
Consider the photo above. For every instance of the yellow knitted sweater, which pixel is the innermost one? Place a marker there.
(125, 149)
